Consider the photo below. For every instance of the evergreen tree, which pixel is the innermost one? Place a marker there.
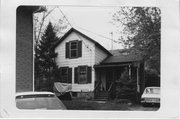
(45, 66)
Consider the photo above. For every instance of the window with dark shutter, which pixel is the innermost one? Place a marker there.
(80, 49)
(65, 75)
(89, 74)
(69, 75)
(76, 75)
(74, 49)
(67, 50)
(82, 74)
(60, 78)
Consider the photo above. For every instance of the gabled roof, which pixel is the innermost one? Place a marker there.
(90, 39)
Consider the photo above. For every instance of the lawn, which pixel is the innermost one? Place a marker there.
(94, 105)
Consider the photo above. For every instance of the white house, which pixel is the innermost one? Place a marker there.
(87, 65)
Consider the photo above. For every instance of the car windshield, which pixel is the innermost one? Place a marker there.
(47, 102)
(152, 90)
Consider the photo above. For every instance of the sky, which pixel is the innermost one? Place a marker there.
(93, 21)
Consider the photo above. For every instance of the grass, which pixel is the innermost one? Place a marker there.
(94, 105)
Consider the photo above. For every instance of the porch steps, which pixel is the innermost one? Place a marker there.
(102, 96)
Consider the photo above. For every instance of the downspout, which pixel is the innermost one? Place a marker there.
(33, 52)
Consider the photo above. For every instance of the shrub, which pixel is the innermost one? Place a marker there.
(126, 87)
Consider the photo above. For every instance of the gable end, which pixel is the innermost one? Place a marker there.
(71, 30)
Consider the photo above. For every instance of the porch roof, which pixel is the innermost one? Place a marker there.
(123, 59)
(111, 65)
(120, 60)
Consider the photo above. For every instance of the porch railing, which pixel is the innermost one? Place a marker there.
(110, 87)
(96, 86)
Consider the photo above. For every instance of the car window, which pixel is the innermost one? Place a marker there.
(39, 103)
(152, 91)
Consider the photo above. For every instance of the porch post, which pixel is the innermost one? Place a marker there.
(129, 70)
(138, 89)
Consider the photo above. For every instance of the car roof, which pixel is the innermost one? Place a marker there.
(34, 93)
(152, 87)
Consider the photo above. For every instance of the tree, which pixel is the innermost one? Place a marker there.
(45, 66)
(41, 20)
(59, 25)
(141, 32)
(126, 87)
(39, 23)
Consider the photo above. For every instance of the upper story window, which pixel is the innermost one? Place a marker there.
(74, 49)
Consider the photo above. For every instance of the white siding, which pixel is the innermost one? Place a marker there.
(88, 58)
(100, 55)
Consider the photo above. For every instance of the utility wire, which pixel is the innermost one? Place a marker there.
(64, 16)
(99, 35)
(71, 26)
(86, 29)
(84, 43)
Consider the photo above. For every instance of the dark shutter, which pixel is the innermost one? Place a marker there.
(69, 75)
(76, 75)
(67, 50)
(60, 74)
(80, 49)
(89, 73)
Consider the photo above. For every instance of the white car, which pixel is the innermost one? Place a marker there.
(151, 95)
(38, 100)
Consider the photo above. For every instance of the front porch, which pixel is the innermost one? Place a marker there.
(110, 78)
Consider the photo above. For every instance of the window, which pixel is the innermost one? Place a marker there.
(82, 74)
(74, 49)
(153, 90)
(65, 75)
